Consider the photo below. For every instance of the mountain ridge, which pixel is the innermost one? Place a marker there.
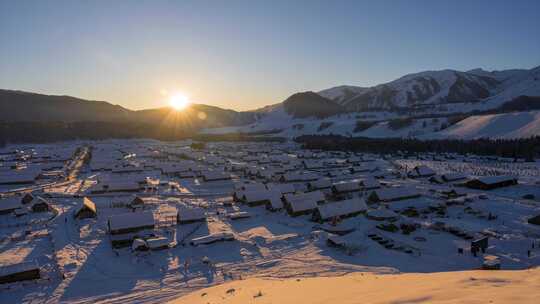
(433, 88)
(418, 97)
(21, 106)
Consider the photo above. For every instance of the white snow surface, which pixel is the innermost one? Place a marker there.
(508, 125)
(79, 264)
(505, 125)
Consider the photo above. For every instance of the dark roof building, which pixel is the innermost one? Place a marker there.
(87, 210)
(491, 182)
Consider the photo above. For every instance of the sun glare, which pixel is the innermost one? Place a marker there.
(179, 102)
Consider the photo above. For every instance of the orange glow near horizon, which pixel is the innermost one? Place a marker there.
(179, 101)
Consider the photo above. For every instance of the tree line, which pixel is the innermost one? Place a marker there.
(44, 132)
(528, 148)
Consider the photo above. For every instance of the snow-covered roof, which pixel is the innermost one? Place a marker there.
(137, 201)
(250, 187)
(207, 239)
(276, 202)
(259, 195)
(131, 220)
(40, 200)
(18, 268)
(320, 183)
(238, 215)
(281, 188)
(304, 201)
(424, 171)
(341, 208)
(381, 214)
(453, 176)
(122, 185)
(296, 176)
(390, 194)
(87, 203)
(369, 183)
(369, 167)
(494, 179)
(214, 175)
(10, 203)
(19, 176)
(191, 214)
(302, 205)
(346, 186)
(157, 242)
(315, 196)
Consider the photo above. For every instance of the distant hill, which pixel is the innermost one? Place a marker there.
(18, 106)
(28, 116)
(310, 104)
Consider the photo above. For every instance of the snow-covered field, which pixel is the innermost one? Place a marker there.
(448, 287)
(79, 264)
(507, 125)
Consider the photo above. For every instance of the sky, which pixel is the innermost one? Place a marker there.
(243, 55)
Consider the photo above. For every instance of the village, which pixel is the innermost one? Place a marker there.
(148, 221)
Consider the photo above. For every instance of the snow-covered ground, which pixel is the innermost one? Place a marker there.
(448, 287)
(507, 125)
(80, 265)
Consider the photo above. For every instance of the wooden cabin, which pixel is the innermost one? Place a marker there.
(157, 243)
(346, 187)
(87, 210)
(214, 175)
(9, 205)
(382, 215)
(421, 171)
(257, 198)
(303, 203)
(535, 220)
(452, 177)
(130, 222)
(323, 183)
(491, 182)
(393, 194)
(281, 188)
(136, 203)
(339, 209)
(27, 198)
(19, 272)
(369, 184)
(187, 215)
(297, 177)
(40, 205)
(212, 238)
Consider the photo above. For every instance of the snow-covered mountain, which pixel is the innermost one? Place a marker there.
(422, 105)
(343, 93)
(433, 89)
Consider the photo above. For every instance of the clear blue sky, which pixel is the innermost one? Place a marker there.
(246, 54)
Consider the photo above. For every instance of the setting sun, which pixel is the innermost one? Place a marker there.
(179, 102)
